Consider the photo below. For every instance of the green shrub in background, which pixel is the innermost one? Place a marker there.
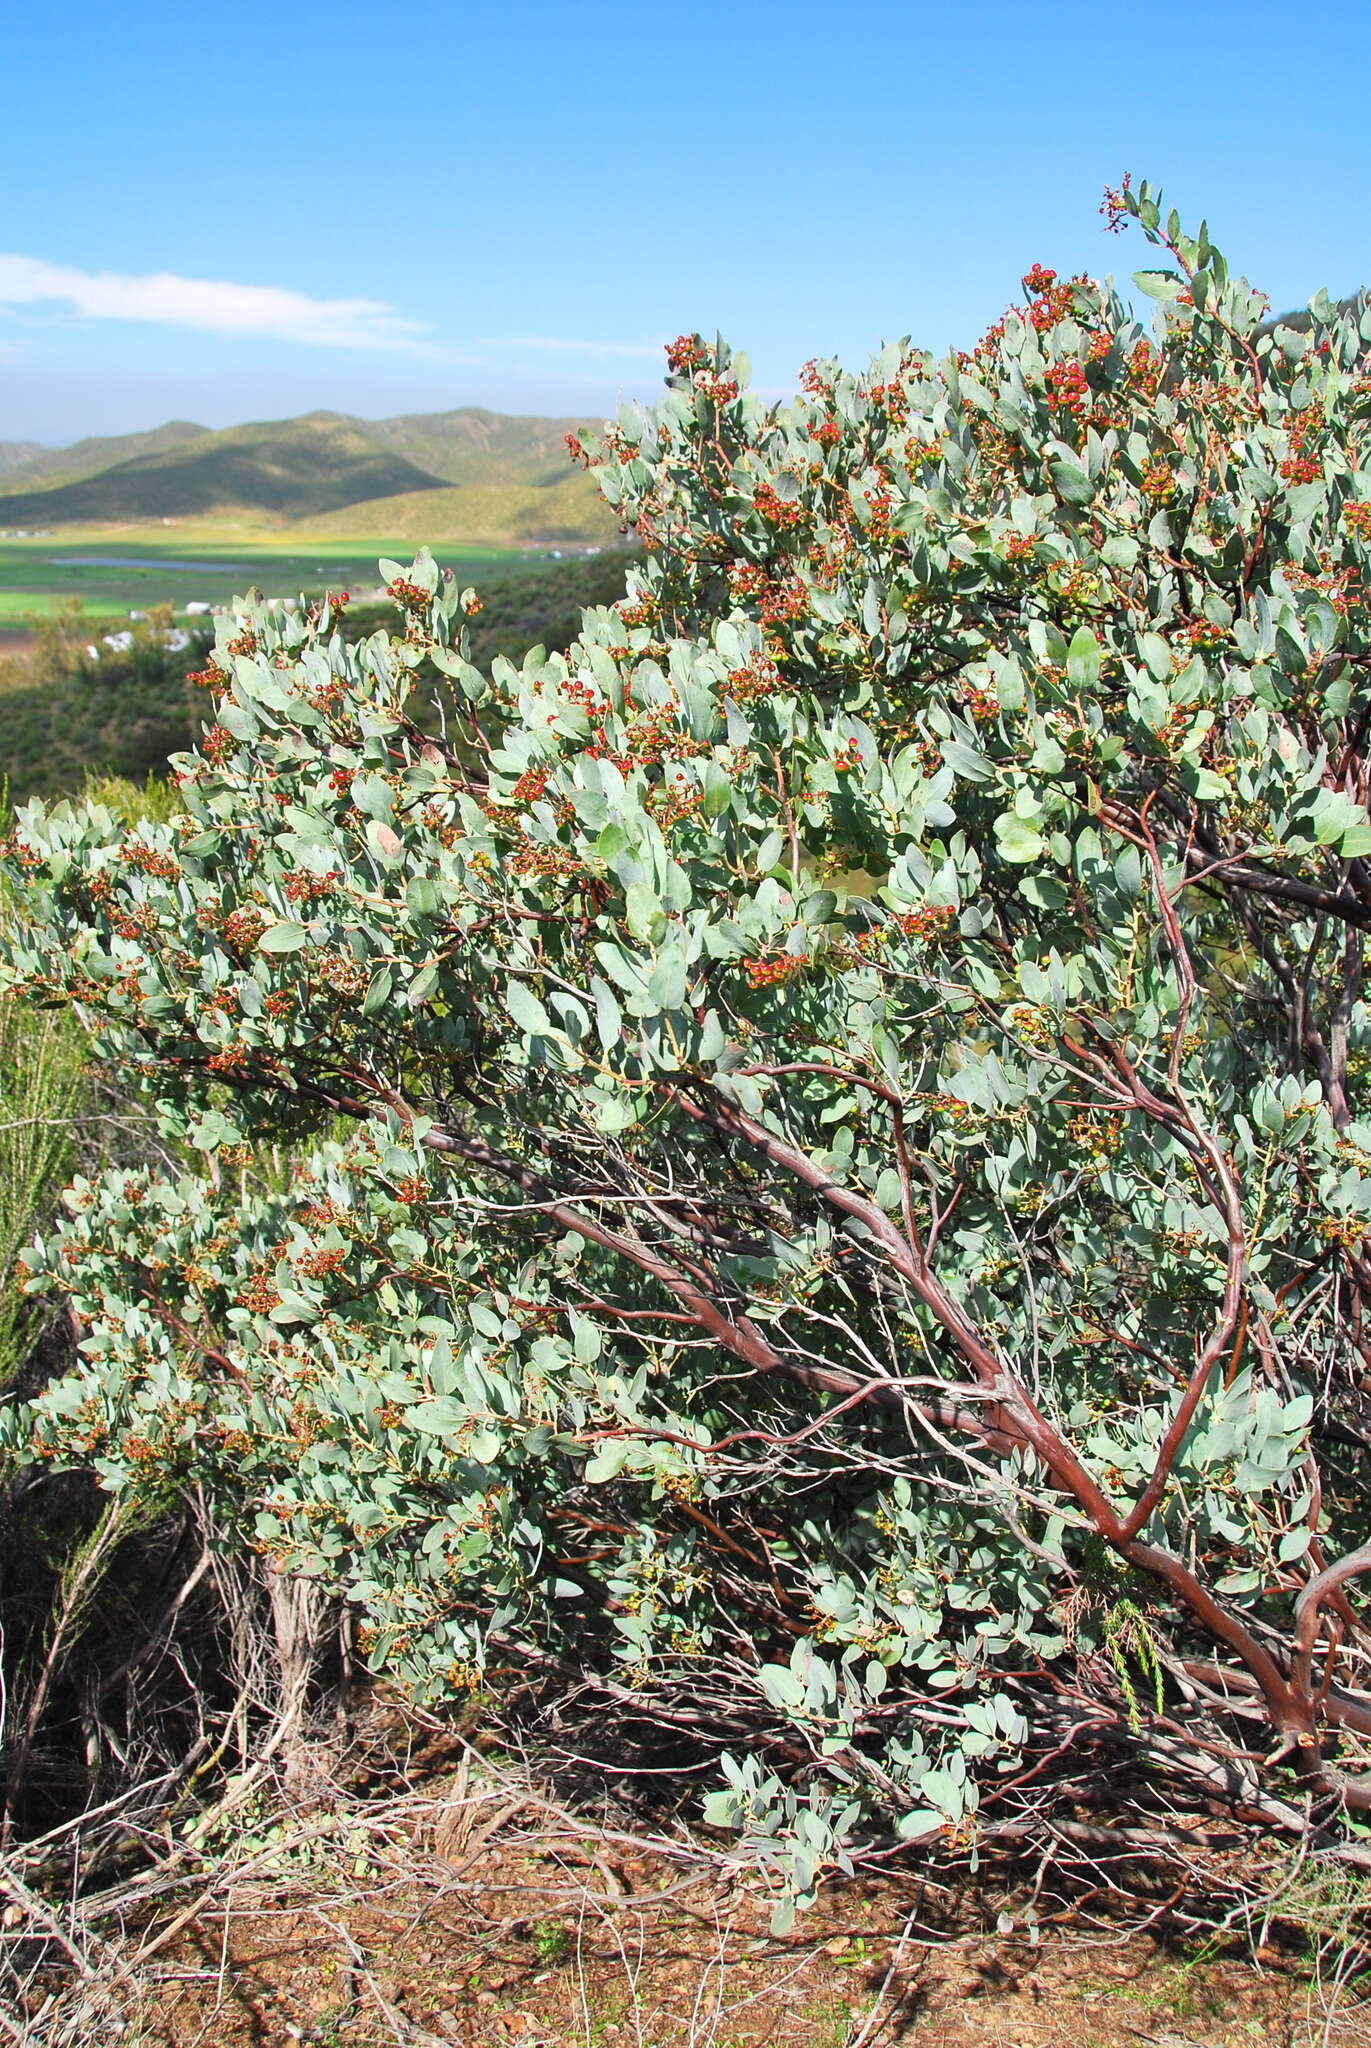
(849, 1228)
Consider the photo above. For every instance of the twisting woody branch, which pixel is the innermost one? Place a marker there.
(834, 1167)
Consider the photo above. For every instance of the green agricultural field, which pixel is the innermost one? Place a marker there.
(132, 568)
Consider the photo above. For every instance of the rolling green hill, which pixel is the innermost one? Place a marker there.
(31, 468)
(472, 446)
(292, 468)
(571, 509)
(18, 455)
(298, 469)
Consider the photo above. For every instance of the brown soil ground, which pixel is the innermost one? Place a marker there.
(254, 1978)
(428, 1903)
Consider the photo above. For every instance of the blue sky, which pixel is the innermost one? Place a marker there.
(242, 212)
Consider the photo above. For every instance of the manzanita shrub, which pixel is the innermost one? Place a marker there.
(831, 1129)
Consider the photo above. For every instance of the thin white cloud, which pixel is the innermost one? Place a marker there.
(553, 345)
(210, 305)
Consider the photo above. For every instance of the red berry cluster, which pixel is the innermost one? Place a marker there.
(576, 449)
(1301, 465)
(148, 861)
(686, 354)
(243, 928)
(218, 745)
(545, 863)
(210, 677)
(408, 595)
(827, 433)
(1205, 637)
(764, 973)
(1049, 301)
(322, 1265)
(892, 399)
(305, 887)
(327, 697)
(1357, 519)
(530, 786)
(718, 390)
(261, 1295)
(474, 605)
(1145, 367)
(246, 642)
(231, 1059)
(640, 614)
(758, 678)
(879, 499)
(1158, 480)
(675, 800)
(779, 599)
(930, 923)
(778, 511)
(848, 758)
(1020, 547)
(1068, 387)
(813, 381)
(983, 704)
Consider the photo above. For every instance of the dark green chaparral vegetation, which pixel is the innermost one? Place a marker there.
(832, 1146)
(71, 714)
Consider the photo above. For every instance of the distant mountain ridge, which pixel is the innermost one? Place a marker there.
(320, 463)
(42, 468)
